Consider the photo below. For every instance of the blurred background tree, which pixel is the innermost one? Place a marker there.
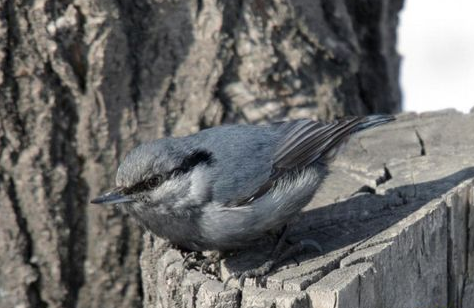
(82, 82)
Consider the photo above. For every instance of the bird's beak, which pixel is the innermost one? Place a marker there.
(114, 196)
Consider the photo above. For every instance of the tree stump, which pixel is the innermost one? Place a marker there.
(395, 219)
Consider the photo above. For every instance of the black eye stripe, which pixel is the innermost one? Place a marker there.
(188, 163)
(194, 159)
(135, 188)
(149, 184)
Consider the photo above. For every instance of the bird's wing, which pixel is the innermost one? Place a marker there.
(304, 142)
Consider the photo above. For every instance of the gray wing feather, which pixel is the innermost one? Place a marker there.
(304, 142)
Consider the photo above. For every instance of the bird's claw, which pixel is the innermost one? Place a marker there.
(235, 275)
(190, 259)
(242, 278)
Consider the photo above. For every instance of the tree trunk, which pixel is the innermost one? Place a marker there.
(82, 82)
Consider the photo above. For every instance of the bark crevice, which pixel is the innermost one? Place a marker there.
(34, 287)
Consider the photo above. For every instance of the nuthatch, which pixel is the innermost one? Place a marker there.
(225, 187)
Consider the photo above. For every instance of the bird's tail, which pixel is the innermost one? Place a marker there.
(348, 126)
(369, 121)
(306, 141)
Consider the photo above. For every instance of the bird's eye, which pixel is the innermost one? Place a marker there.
(154, 181)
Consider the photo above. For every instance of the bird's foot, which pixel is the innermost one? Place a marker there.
(260, 271)
(206, 264)
(190, 259)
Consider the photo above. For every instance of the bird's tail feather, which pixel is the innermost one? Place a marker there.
(306, 141)
(372, 121)
(349, 126)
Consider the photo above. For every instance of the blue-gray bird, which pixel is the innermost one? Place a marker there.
(225, 187)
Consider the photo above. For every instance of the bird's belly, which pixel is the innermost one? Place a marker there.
(232, 227)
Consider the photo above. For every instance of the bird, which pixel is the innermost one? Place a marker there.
(225, 187)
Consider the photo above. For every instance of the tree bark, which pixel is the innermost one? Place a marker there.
(82, 82)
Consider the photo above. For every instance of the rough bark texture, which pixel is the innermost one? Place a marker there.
(82, 82)
(395, 219)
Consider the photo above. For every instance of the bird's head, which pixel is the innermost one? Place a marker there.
(165, 174)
